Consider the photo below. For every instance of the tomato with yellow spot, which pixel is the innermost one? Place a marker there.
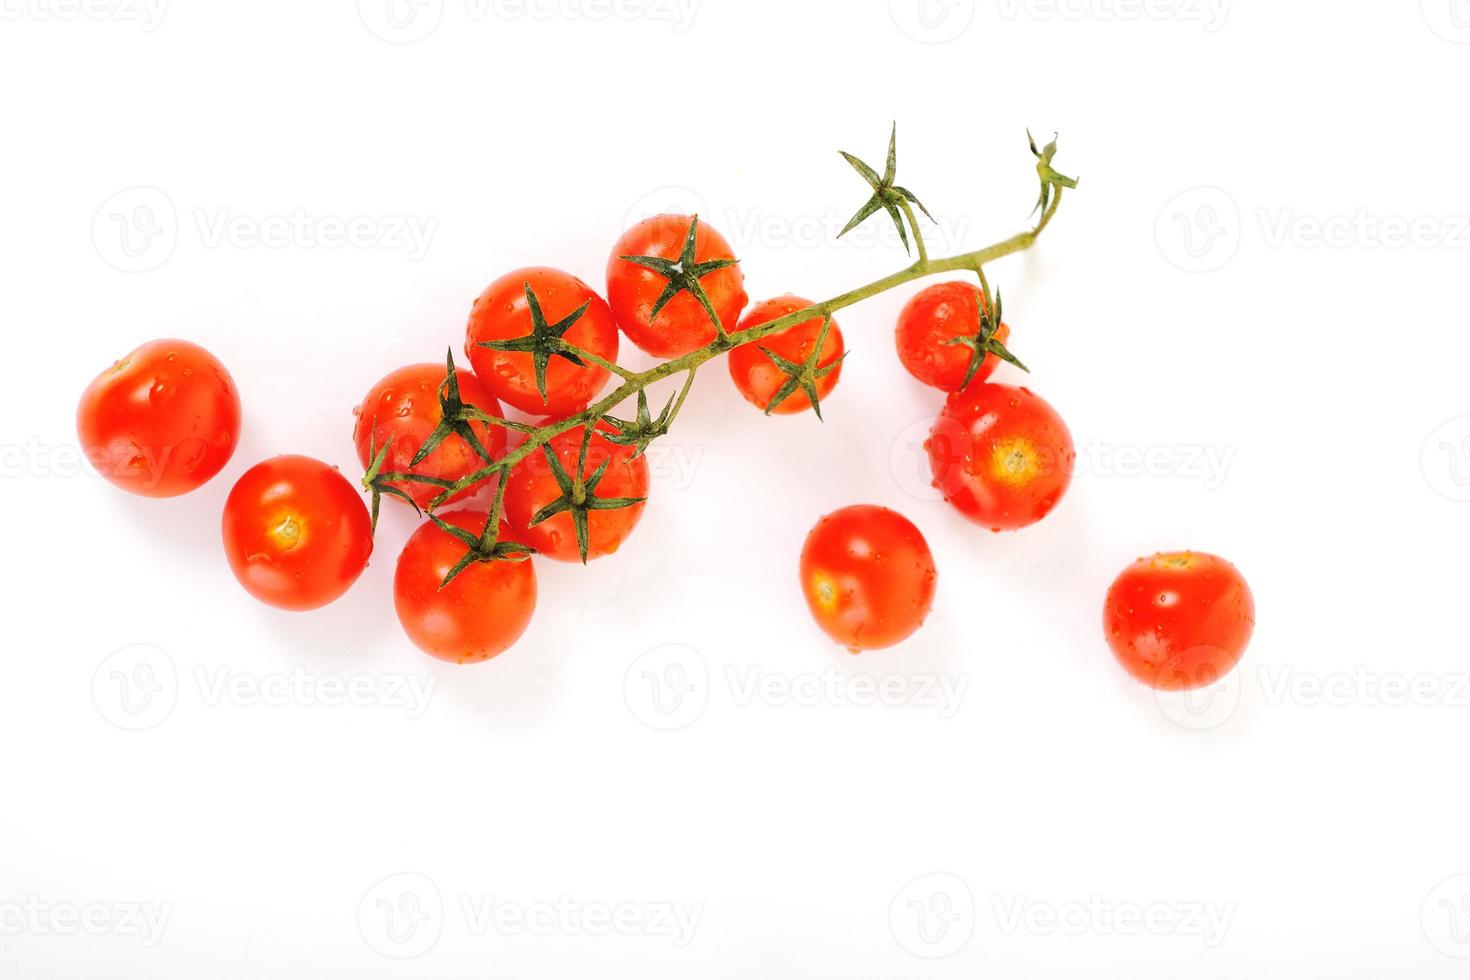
(868, 576)
(1000, 455)
(296, 532)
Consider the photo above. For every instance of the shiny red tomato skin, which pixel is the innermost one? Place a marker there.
(404, 406)
(1000, 455)
(935, 316)
(477, 616)
(758, 378)
(162, 421)
(502, 313)
(868, 576)
(532, 486)
(1179, 620)
(683, 325)
(296, 532)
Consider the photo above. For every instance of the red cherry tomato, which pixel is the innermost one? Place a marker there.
(1179, 620)
(758, 377)
(684, 324)
(405, 407)
(503, 313)
(480, 613)
(533, 485)
(161, 421)
(1001, 455)
(296, 532)
(935, 316)
(868, 576)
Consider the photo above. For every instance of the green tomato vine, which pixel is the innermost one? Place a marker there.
(545, 341)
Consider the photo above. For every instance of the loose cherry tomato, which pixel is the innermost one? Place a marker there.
(406, 407)
(1001, 455)
(296, 532)
(1179, 620)
(927, 324)
(161, 421)
(760, 379)
(533, 485)
(504, 313)
(480, 613)
(868, 576)
(633, 290)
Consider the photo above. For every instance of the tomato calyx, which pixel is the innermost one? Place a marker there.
(545, 339)
(806, 374)
(455, 416)
(683, 275)
(486, 546)
(578, 493)
(1050, 179)
(377, 483)
(886, 194)
(985, 342)
(643, 429)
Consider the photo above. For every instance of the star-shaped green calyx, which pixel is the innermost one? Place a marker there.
(643, 429)
(1050, 179)
(886, 194)
(455, 416)
(485, 546)
(683, 275)
(985, 342)
(545, 339)
(377, 483)
(578, 493)
(804, 375)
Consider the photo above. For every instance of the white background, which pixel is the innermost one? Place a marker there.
(1290, 364)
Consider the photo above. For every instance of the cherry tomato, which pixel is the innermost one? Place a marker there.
(868, 576)
(296, 532)
(533, 485)
(1179, 620)
(758, 377)
(503, 313)
(480, 613)
(684, 324)
(935, 316)
(1001, 455)
(161, 421)
(405, 407)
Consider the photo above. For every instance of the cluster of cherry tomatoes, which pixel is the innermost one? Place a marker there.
(297, 533)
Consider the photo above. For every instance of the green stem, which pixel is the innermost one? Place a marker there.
(634, 382)
(908, 212)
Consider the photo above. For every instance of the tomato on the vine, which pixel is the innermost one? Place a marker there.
(535, 485)
(1001, 455)
(676, 274)
(504, 312)
(479, 613)
(927, 325)
(760, 379)
(161, 421)
(1179, 620)
(868, 576)
(406, 407)
(296, 532)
